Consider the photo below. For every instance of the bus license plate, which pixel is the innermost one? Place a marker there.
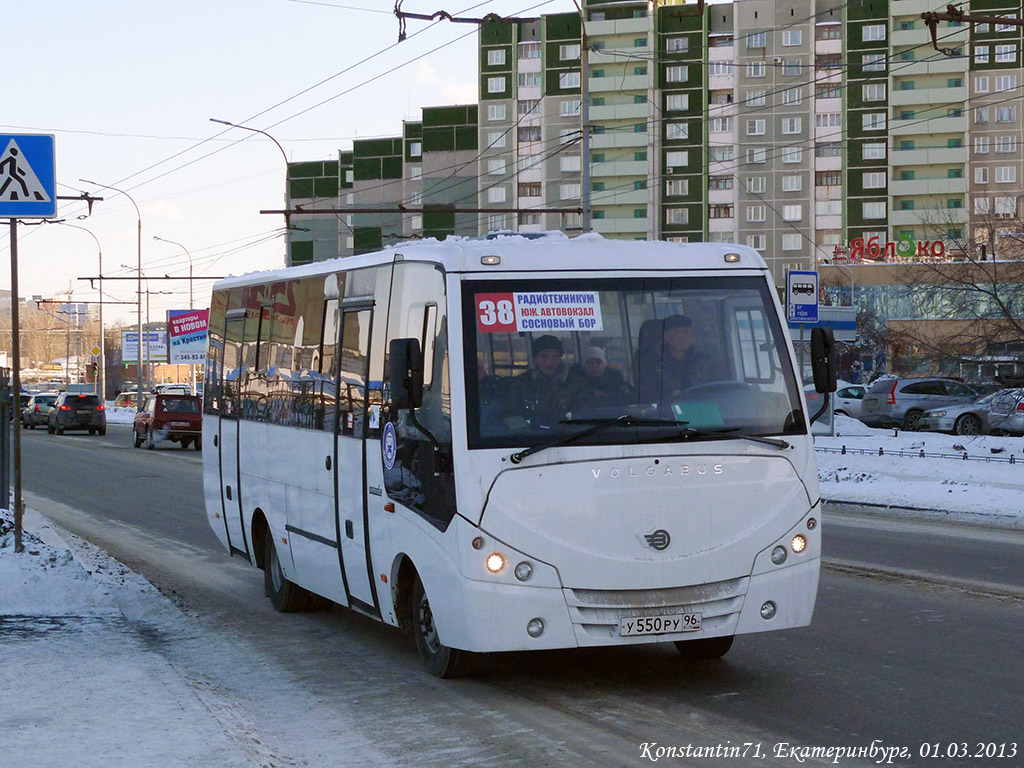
(659, 625)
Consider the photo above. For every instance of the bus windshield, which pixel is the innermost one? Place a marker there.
(680, 358)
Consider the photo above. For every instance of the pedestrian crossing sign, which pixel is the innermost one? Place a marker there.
(28, 177)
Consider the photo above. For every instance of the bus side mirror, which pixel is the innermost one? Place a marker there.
(824, 360)
(405, 373)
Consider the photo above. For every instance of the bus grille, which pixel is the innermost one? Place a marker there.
(596, 613)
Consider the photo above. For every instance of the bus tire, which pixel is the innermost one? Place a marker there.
(704, 648)
(440, 660)
(284, 595)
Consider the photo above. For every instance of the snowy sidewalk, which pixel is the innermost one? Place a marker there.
(83, 685)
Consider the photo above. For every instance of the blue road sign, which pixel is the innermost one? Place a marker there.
(802, 296)
(28, 176)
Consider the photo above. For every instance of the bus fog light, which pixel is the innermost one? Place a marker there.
(524, 571)
(495, 562)
(799, 543)
(478, 543)
(768, 611)
(779, 555)
(535, 627)
(811, 524)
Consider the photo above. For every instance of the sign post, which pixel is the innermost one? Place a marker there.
(802, 303)
(28, 189)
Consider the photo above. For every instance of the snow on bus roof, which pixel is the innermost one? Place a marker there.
(532, 251)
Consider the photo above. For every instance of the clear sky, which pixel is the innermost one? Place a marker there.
(128, 89)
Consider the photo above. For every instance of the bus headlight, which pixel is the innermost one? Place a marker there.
(495, 562)
(799, 543)
(535, 627)
(779, 555)
(524, 571)
(768, 611)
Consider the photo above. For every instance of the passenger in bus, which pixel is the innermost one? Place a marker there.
(668, 368)
(543, 395)
(603, 384)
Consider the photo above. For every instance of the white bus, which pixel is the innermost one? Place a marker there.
(419, 435)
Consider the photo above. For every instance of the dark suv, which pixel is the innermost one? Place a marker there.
(899, 402)
(77, 411)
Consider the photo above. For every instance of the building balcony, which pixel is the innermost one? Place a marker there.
(930, 217)
(898, 98)
(634, 197)
(620, 112)
(928, 187)
(929, 126)
(619, 168)
(619, 137)
(936, 156)
(597, 29)
(914, 7)
(950, 37)
(937, 66)
(612, 82)
(619, 226)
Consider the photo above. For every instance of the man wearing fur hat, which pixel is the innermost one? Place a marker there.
(544, 394)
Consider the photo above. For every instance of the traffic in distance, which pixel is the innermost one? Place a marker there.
(518, 444)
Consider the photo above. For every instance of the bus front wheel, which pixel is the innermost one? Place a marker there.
(704, 648)
(439, 659)
(284, 595)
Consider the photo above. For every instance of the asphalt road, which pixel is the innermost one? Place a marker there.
(916, 640)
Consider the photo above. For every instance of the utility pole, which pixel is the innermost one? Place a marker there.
(585, 182)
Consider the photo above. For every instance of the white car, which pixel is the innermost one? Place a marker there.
(848, 399)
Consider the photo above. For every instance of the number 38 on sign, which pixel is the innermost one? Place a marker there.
(541, 312)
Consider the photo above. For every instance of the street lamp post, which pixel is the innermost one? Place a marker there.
(191, 305)
(101, 370)
(138, 213)
(287, 193)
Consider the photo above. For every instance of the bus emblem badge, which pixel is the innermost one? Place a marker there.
(658, 540)
(389, 445)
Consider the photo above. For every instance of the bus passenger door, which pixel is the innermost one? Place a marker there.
(350, 454)
(227, 443)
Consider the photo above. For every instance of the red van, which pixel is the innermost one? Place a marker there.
(174, 418)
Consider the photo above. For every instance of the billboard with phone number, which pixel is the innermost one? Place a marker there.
(186, 335)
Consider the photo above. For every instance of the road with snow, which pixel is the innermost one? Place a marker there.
(914, 627)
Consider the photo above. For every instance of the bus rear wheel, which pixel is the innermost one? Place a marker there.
(439, 659)
(285, 596)
(704, 648)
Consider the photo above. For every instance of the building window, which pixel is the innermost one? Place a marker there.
(756, 69)
(570, 108)
(756, 213)
(676, 74)
(980, 115)
(1006, 144)
(720, 211)
(674, 131)
(568, 80)
(569, 191)
(677, 102)
(1006, 174)
(755, 127)
(1007, 114)
(526, 107)
(757, 242)
(640, 213)
(828, 32)
(792, 154)
(792, 37)
(873, 121)
(1006, 53)
(495, 84)
(981, 175)
(870, 32)
(495, 111)
(874, 210)
(721, 154)
(873, 151)
(1006, 82)
(496, 57)
(757, 40)
(720, 67)
(982, 205)
(793, 96)
(981, 84)
(791, 242)
(527, 133)
(677, 159)
(1006, 206)
(981, 145)
(496, 139)
(571, 163)
(530, 189)
(530, 51)
(415, 149)
(873, 92)
(828, 208)
(677, 216)
(755, 184)
(530, 79)
(792, 183)
(495, 167)
(528, 219)
(791, 67)
(720, 125)
(719, 182)
(496, 195)
(757, 155)
(873, 180)
(677, 44)
(873, 62)
(828, 178)
(827, 90)
(568, 52)
(791, 125)
(828, 120)
(677, 187)
(792, 212)
(755, 98)
(828, 149)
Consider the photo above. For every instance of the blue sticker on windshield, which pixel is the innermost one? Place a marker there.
(389, 445)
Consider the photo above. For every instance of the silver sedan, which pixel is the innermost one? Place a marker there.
(969, 419)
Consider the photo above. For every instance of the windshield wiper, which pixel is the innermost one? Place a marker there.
(728, 434)
(599, 425)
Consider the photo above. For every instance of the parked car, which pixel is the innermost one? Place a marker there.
(848, 399)
(174, 418)
(126, 399)
(77, 411)
(969, 419)
(171, 389)
(900, 402)
(1006, 411)
(36, 409)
